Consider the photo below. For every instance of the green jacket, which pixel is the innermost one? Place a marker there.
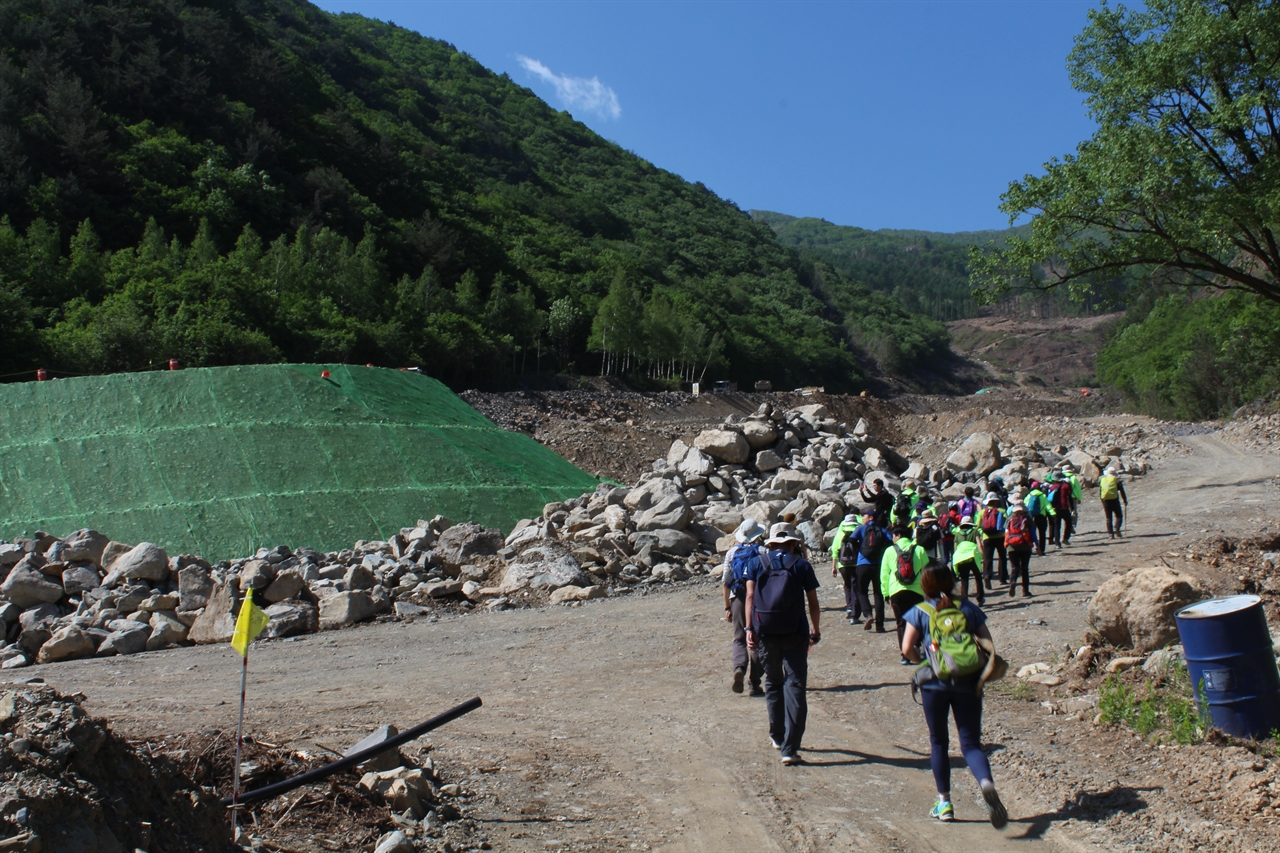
(968, 546)
(1077, 490)
(889, 583)
(911, 502)
(845, 528)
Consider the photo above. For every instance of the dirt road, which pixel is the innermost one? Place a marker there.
(611, 725)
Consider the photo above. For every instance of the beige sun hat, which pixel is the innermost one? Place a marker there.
(782, 533)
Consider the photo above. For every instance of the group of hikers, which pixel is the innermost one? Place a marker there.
(915, 552)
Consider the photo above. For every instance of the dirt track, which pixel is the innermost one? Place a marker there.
(611, 725)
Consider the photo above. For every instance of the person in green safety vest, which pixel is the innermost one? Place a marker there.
(848, 574)
(1037, 504)
(904, 506)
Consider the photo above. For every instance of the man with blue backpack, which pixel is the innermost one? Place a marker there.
(779, 586)
(863, 549)
(742, 559)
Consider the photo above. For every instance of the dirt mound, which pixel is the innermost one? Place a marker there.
(68, 784)
(347, 811)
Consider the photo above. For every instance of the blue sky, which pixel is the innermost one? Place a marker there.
(903, 114)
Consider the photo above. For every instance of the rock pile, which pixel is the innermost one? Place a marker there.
(86, 595)
(68, 784)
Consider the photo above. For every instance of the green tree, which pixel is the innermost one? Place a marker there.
(1180, 182)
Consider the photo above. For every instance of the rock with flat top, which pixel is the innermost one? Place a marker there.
(1136, 609)
(724, 445)
(66, 643)
(27, 587)
(145, 562)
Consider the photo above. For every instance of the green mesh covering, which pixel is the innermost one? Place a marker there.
(222, 461)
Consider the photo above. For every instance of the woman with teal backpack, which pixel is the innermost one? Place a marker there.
(955, 688)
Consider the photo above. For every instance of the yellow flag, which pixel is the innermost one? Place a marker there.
(248, 626)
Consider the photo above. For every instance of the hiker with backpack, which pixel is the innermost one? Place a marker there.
(1111, 491)
(966, 560)
(1060, 503)
(1037, 504)
(847, 565)
(904, 505)
(967, 505)
(900, 569)
(991, 523)
(1077, 493)
(928, 535)
(954, 636)
(739, 562)
(996, 487)
(778, 588)
(1018, 542)
(869, 542)
(948, 518)
(880, 499)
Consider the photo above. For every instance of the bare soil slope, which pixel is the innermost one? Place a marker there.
(1054, 353)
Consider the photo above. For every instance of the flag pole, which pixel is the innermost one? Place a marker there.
(235, 786)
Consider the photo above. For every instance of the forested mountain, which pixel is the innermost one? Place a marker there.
(926, 271)
(228, 181)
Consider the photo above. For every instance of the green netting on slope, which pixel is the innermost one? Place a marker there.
(222, 461)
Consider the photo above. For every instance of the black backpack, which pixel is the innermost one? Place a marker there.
(848, 550)
(902, 505)
(873, 543)
(927, 537)
(778, 605)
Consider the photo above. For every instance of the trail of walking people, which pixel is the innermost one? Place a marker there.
(612, 725)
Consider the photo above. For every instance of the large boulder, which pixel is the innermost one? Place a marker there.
(696, 467)
(543, 567)
(128, 638)
(723, 444)
(289, 583)
(650, 492)
(676, 543)
(166, 630)
(765, 512)
(1136, 609)
(917, 471)
(767, 460)
(217, 623)
(27, 587)
(292, 617)
(985, 450)
(145, 561)
(461, 543)
(347, 608)
(677, 452)
(79, 579)
(672, 512)
(759, 434)
(791, 483)
(84, 546)
(66, 643)
(961, 460)
(723, 516)
(195, 585)
(1085, 466)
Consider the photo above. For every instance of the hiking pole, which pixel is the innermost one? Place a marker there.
(270, 791)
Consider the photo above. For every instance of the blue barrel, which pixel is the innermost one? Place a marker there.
(1229, 654)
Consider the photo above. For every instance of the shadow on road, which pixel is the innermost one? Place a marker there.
(855, 688)
(1091, 806)
(920, 762)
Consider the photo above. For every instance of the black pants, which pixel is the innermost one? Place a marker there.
(1061, 528)
(990, 547)
(901, 602)
(1021, 560)
(963, 570)
(848, 576)
(1041, 523)
(869, 575)
(1112, 508)
(742, 656)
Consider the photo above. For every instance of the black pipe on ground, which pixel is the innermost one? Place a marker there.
(319, 773)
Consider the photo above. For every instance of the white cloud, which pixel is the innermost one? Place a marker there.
(577, 92)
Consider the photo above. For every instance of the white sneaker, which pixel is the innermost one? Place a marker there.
(776, 745)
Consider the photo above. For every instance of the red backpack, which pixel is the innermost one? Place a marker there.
(1017, 533)
(990, 520)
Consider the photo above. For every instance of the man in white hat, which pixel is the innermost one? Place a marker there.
(776, 626)
(741, 560)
